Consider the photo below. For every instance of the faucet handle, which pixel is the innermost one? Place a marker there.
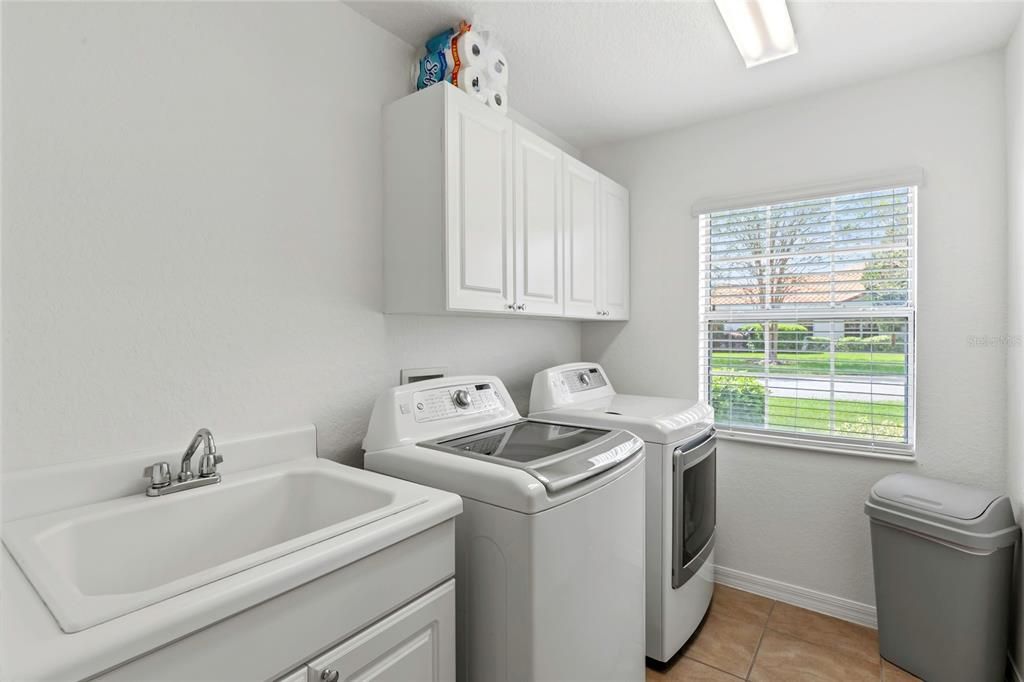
(208, 464)
(159, 474)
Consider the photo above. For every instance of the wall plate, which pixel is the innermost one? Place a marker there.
(410, 376)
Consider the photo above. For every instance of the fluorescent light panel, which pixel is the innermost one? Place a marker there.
(761, 29)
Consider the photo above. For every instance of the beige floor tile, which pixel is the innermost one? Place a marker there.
(848, 638)
(725, 643)
(782, 658)
(688, 670)
(739, 604)
(892, 673)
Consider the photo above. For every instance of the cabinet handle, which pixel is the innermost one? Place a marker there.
(329, 675)
(521, 306)
(510, 306)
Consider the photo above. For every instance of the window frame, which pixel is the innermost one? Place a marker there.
(912, 180)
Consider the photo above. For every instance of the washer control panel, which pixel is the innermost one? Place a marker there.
(455, 401)
(584, 379)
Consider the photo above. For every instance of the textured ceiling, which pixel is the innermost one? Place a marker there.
(596, 72)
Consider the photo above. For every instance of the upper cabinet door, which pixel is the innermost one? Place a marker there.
(538, 226)
(479, 259)
(582, 239)
(614, 273)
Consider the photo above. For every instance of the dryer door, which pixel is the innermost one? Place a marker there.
(693, 507)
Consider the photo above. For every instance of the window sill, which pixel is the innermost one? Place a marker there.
(909, 455)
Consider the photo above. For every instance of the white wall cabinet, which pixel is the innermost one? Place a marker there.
(539, 265)
(613, 270)
(582, 239)
(596, 244)
(483, 216)
(478, 156)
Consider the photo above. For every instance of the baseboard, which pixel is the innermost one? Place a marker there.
(845, 609)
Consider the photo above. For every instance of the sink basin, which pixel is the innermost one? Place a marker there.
(94, 563)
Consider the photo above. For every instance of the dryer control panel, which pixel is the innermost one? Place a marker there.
(584, 379)
(455, 401)
(571, 384)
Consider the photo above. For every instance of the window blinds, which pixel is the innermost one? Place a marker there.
(807, 319)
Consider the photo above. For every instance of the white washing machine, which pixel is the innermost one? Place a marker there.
(680, 459)
(549, 546)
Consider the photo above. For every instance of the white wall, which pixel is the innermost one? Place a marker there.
(798, 516)
(191, 230)
(1015, 253)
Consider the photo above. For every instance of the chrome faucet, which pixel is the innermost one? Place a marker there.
(209, 448)
(159, 474)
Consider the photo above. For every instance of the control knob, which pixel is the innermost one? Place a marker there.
(462, 398)
(584, 378)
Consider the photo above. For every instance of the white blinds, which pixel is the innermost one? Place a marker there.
(807, 318)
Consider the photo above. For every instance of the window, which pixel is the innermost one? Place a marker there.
(807, 320)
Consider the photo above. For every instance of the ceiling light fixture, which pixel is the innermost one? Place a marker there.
(761, 29)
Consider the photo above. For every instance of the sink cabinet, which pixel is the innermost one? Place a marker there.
(482, 216)
(387, 617)
(417, 643)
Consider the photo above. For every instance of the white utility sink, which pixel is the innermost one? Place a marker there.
(94, 563)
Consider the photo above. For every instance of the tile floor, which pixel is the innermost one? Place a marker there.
(748, 637)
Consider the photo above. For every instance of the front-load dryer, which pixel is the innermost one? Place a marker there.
(680, 509)
(550, 545)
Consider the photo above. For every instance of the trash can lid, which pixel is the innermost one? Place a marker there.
(962, 514)
(935, 496)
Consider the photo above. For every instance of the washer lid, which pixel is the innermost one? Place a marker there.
(655, 420)
(556, 455)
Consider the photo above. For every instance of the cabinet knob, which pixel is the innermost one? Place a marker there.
(510, 306)
(521, 306)
(329, 675)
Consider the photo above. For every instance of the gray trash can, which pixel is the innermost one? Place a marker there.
(943, 558)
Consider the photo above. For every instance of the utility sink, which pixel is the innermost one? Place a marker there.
(94, 563)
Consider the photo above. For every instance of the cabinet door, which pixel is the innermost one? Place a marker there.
(414, 644)
(478, 150)
(582, 242)
(613, 275)
(538, 226)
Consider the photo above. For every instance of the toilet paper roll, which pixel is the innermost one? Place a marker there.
(497, 69)
(498, 100)
(471, 49)
(471, 80)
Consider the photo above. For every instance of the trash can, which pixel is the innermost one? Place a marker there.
(943, 558)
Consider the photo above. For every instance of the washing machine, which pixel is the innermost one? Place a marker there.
(680, 508)
(549, 546)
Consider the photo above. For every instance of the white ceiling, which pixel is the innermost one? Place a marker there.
(596, 72)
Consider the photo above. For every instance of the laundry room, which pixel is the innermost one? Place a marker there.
(511, 341)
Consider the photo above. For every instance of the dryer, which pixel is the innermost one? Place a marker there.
(680, 442)
(549, 547)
